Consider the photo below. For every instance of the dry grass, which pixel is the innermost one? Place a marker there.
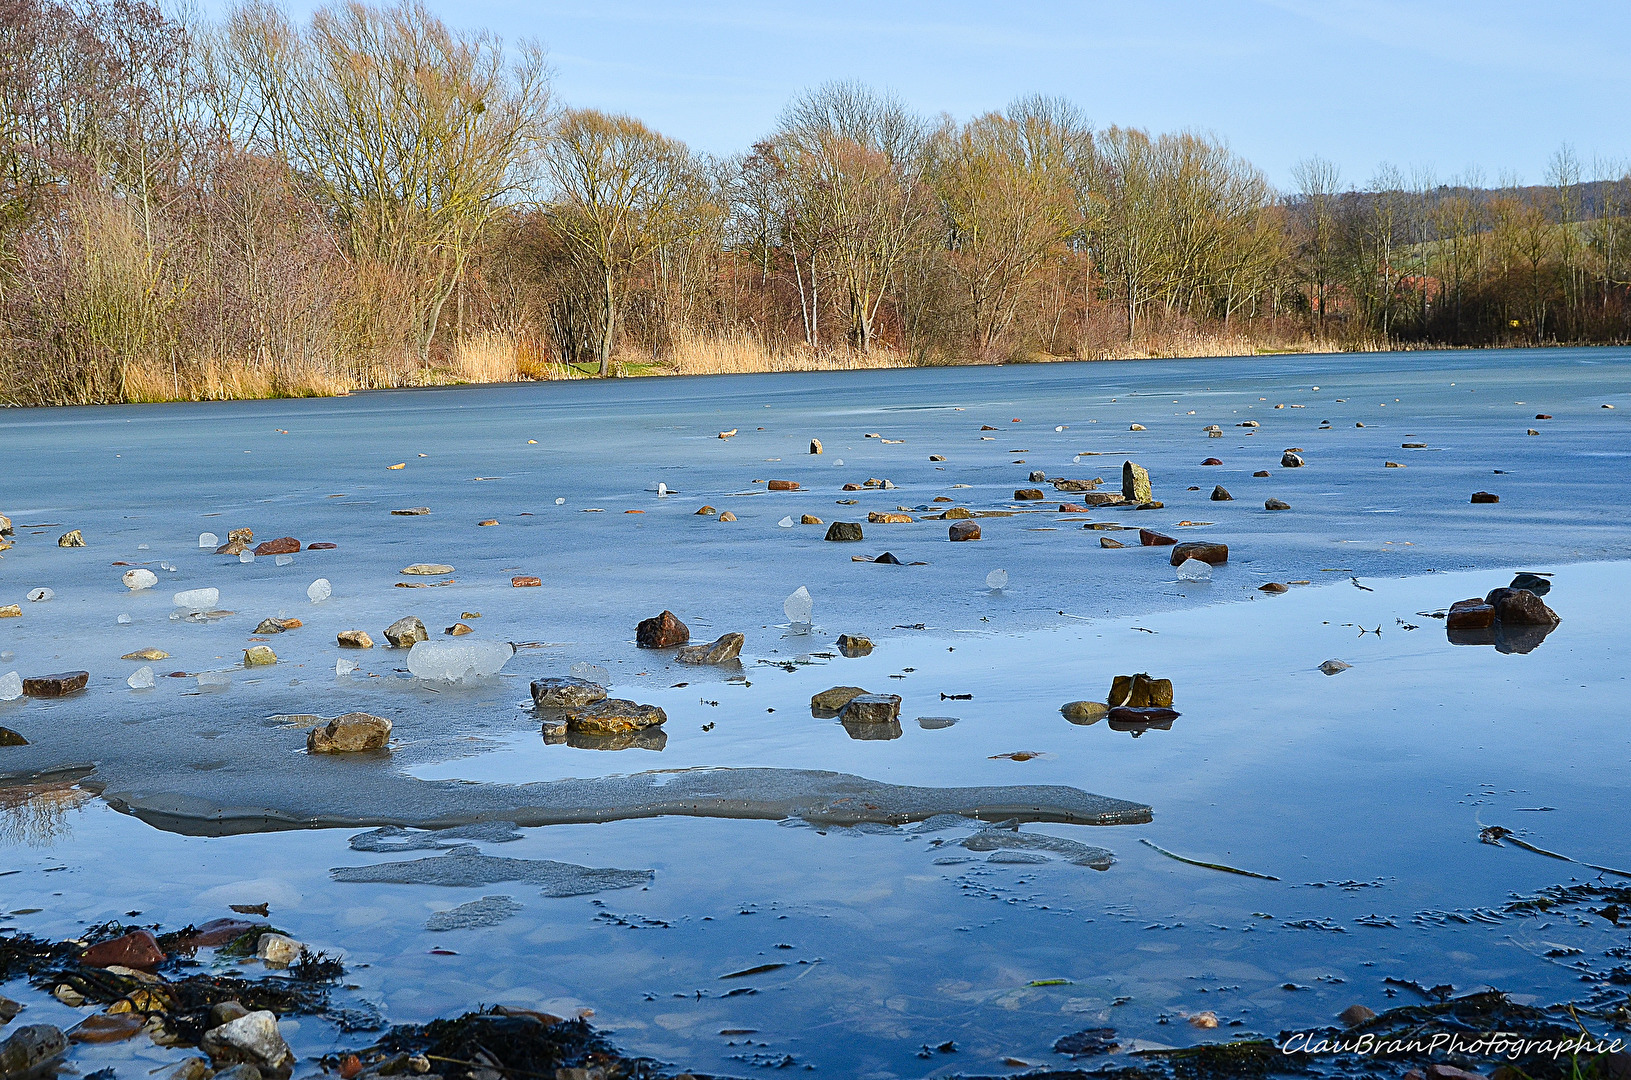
(740, 353)
(1185, 343)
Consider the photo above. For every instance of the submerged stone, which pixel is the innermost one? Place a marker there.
(466, 865)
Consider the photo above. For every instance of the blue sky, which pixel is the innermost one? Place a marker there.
(1442, 85)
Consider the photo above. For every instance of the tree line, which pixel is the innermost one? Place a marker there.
(257, 206)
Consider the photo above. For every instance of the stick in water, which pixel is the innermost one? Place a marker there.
(1494, 834)
(1208, 865)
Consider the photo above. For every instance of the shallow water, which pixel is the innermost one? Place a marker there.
(1364, 792)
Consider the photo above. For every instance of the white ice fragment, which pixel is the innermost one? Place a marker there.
(141, 547)
(659, 487)
(786, 522)
(1077, 460)
(139, 579)
(213, 680)
(452, 661)
(1195, 570)
(208, 540)
(591, 673)
(197, 599)
(123, 620)
(997, 579)
(560, 502)
(342, 666)
(1061, 427)
(141, 678)
(283, 560)
(838, 461)
(246, 556)
(11, 686)
(799, 605)
(39, 595)
(167, 566)
(319, 590)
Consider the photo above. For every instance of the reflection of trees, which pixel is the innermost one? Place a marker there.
(37, 814)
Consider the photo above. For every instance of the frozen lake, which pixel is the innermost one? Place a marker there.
(1363, 792)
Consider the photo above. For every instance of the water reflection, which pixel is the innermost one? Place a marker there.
(36, 814)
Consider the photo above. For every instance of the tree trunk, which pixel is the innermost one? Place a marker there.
(608, 325)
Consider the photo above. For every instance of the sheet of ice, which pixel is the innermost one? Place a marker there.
(488, 911)
(197, 599)
(591, 673)
(466, 865)
(453, 661)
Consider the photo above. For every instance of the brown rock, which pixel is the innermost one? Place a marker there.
(1151, 538)
(1354, 1015)
(844, 531)
(1471, 614)
(6, 527)
(1151, 715)
(831, 702)
(954, 513)
(350, 734)
(412, 511)
(1485, 497)
(321, 546)
(852, 487)
(815, 446)
(1543, 416)
(707, 511)
(217, 932)
(872, 709)
(783, 485)
(1221, 494)
(963, 530)
(525, 581)
(566, 692)
(1135, 483)
(853, 645)
(727, 516)
(58, 685)
(459, 629)
(888, 518)
(614, 716)
(489, 521)
(259, 656)
(722, 650)
(72, 538)
(1261, 472)
(1272, 587)
(661, 632)
(937, 457)
(1520, 607)
(11, 611)
(283, 545)
(810, 519)
(232, 547)
(1212, 461)
(1204, 550)
(354, 639)
(137, 949)
(106, 1027)
(1084, 712)
(267, 626)
(1139, 691)
(1106, 542)
(9, 737)
(1275, 504)
(1028, 495)
(406, 632)
(1076, 485)
(146, 654)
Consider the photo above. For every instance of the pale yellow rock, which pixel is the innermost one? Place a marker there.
(259, 656)
(427, 569)
(146, 654)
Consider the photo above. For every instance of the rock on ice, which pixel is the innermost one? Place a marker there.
(197, 599)
(451, 661)
(319, 590)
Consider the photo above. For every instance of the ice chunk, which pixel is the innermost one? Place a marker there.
(799, 605)
(11, 686)
(1195, 570)
(40, 595)
(997, 579)
(213, 680)
(451, 661)
(660, 488)
(591, 673)
(208, 540)
(283, 560)
(838, 461)
(141, 678)
(319, 590)
(786, 522)
(1077, 460)
(1060, 427)
(137, 580)
(197, 599)
(141, 547)
(560, 502)
(167, 566)
(246, 556)
(342, 666)
(123, 620)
